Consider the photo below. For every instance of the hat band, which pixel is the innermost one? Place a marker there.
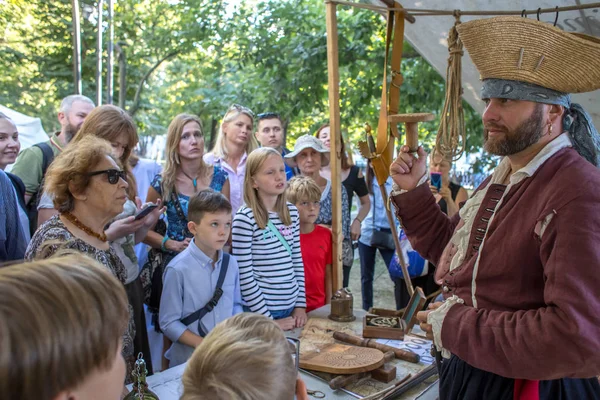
(494, 88)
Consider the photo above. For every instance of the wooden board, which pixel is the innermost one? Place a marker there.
(342, 359)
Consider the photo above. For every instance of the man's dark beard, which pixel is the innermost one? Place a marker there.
(528, 133)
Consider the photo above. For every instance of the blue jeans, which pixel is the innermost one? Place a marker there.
(367, 270)
(276, 314)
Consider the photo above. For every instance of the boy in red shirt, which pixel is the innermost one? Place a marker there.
(315, 241)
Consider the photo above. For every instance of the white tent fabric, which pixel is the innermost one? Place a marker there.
(30, 129)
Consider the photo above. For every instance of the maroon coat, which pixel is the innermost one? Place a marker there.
(538, 299)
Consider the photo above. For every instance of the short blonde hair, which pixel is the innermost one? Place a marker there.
(63, 319)
(108, 122)
(72, 167)
(244, 357)
(302, 188)
(220, 149)
(261, 215)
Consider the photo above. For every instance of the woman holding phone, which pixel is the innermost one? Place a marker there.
(447, 194)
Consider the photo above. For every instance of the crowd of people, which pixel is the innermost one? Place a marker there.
(268, 207)
(243, 248)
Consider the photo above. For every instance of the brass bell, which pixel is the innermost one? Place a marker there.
(342, 305)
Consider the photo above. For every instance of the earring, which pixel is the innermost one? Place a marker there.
(550, 129)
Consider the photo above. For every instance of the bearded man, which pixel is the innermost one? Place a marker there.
(519, 264)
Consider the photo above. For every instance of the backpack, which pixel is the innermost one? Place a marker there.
(32, 212)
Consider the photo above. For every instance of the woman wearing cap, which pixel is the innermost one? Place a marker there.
(309, 156)
(234, 142)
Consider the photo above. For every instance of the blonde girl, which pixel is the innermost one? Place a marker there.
(235, 141)
(266, 243)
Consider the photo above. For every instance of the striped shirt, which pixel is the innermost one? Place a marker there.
(270, 279)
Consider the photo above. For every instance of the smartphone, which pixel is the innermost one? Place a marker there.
(436, 180)
(145, 211)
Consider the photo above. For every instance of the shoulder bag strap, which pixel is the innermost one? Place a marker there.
(198, 315)
(273, 228)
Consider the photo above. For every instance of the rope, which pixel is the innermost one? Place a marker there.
(451, 136)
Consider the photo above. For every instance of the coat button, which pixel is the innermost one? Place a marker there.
(445, 289)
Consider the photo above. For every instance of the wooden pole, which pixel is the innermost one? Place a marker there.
(335, 133)
(76, 47)
(109, 58)
(99, 55)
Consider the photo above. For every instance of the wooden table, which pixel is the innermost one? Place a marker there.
(167, 384)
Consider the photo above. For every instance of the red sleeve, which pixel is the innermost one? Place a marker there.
(559, 340)
(428, 229)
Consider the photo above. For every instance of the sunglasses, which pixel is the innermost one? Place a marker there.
(113, 175)
(267, 115)
(242, 109)
(295, 344)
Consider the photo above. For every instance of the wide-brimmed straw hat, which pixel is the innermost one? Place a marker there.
(305, 142)
(526, 50)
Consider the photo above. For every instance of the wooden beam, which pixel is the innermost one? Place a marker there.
(335, 133)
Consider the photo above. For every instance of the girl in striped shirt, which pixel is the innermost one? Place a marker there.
(266, 243)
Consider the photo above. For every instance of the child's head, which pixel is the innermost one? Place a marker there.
(265, 177)
(209, 216)
(306, 195)
(64, 318)
(244, 357)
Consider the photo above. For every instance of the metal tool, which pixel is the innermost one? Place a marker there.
(315, 393)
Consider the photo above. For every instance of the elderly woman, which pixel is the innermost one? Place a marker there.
(309, 156)
(114, 125)
(89, 189)
(234, 142)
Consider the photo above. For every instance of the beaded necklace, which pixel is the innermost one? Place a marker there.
(73, 219)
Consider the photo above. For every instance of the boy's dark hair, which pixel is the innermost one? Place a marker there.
(206, 201)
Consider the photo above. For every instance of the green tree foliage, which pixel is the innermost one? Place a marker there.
(199, 56)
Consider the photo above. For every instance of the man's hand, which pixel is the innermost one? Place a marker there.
(299, 315)
(422, 318)
(355, 230)
(286, 324)
(408, 169)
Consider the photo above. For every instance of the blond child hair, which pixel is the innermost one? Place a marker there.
(302, 188)
(253, 164)
(63, 319)
(244, 357)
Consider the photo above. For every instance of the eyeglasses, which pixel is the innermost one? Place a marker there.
(242, 109)
(295, 343)
(113, 175)
(267, 115)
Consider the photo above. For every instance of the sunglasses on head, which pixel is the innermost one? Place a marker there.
(267, 115)
(113, 175)
(241, 109)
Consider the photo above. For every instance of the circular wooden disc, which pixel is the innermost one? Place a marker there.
(343, 359)
(415, 117)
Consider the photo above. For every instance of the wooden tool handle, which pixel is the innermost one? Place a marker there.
(355, 340)
(412, 136)
(344, 380)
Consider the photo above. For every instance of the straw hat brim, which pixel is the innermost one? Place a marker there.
(527, 50)
(290, 158)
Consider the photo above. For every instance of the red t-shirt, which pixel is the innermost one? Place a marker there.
(316, 254)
